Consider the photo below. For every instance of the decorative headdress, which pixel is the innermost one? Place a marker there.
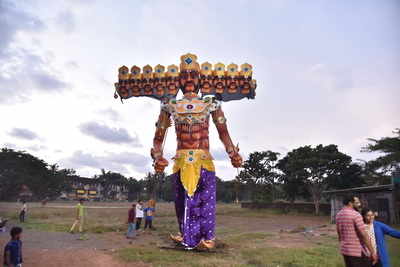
(159, 71)
(206, 69)
(188, 64)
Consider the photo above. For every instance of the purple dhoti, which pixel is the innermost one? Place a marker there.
(196, 213)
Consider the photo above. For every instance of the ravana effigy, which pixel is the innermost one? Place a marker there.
(193, 171)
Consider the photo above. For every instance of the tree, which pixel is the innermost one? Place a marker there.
(153, 183)
(135, 188)
(260, 173)
(293, 181)
(317, 169)
(19, 169)
(390, 148)
(108, 180)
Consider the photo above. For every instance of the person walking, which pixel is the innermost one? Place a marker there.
(355, 244)
(139, 214)
(23, 211)
(13, 250)
(131, 222)
(377, 231)
(80, 217)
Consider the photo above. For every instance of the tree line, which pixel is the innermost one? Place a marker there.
(302, 174)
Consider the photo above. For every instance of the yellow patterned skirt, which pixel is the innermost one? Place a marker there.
(190, 162)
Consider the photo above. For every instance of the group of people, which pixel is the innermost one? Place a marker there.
(361, 237)
(137, 213)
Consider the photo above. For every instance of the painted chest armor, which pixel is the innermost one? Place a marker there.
(191, 111)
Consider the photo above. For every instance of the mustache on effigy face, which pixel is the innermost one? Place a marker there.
(189, 83)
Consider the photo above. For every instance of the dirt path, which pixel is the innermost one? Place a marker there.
(67, 250)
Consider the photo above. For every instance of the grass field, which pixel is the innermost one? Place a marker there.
(245, 237)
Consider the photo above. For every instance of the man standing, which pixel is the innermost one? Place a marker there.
(355, 245)
(139, 214)
(80, 214)
(23, 211)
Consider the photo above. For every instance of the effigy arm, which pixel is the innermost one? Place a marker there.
(162, 125)
(232, 150)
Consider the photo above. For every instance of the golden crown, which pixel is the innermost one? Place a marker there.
(188, 62)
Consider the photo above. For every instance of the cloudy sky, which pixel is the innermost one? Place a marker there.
(327, 72)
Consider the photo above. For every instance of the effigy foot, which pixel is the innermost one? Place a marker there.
(176, 238)
(206, 245)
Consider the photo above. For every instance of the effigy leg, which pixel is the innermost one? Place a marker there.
(196, 214)
(179, 205)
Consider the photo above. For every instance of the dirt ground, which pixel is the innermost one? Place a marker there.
(62, 249)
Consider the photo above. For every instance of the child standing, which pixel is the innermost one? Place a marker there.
(139, 214)
(13, 249)
(131, 222)
(149, 211)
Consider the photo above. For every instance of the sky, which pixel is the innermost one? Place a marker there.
(327, 73)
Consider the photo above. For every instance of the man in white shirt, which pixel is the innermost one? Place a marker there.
(23, 211)
(139, 214)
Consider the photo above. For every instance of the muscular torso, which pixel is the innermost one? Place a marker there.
(192, 136)
(191, 118)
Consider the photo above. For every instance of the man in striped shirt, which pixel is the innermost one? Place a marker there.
(355, 245)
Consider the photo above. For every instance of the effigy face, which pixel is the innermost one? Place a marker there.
(160, 86)
(206, 84)
(148, 86)
(246, 86)
(233, 84)
(219, 84)
(189, 81)
(123, 92)
(172, 85)
(136, 87)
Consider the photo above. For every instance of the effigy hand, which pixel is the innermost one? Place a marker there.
(160, 164)
(236, 159)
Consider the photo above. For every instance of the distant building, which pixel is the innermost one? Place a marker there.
(90, 188)
(380, 198)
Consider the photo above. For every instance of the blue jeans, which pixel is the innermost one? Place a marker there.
(131, 230)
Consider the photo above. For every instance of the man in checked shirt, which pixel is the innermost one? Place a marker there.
(355, 245)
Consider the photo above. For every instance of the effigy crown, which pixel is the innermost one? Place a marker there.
(159, 71)
(227, 83)
(189, 63)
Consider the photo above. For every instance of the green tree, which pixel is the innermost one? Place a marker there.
(20, 169)
(109, 180)
(261, 174)
(153, 183)
(135, 188)
(317, 169)
(385, 164)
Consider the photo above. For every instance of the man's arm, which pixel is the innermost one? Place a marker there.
(233, 151)
(162, 125)
(7, 259)
(338, 232)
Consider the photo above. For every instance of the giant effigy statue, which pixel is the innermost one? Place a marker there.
(204, 88)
